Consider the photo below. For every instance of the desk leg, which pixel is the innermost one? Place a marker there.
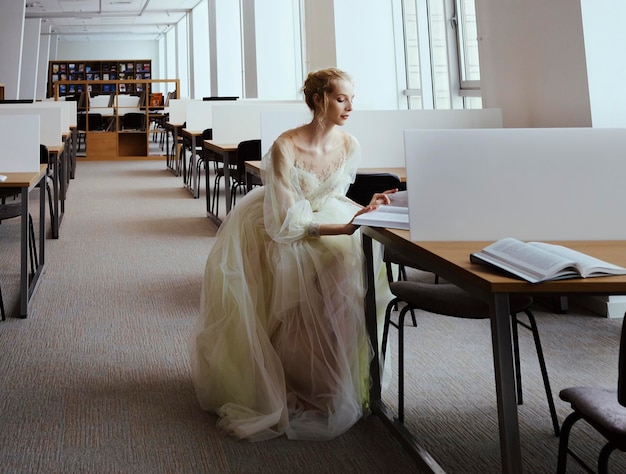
(227, 160)
(505, 384)
(195, 183)
(24, 233)
(28, 285)
(378, 407)
(54, 160)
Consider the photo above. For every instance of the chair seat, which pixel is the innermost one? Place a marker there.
(600, 408)
(450, 300)
(9, 211)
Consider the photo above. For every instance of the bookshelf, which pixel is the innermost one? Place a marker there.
(80, 76)
(114, 137)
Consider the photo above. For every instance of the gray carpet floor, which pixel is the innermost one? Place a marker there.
(96, 379)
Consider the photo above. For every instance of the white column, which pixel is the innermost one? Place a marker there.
(225, 32)
(30, 58)
(42, 68)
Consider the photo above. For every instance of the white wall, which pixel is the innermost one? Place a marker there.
(104, 50)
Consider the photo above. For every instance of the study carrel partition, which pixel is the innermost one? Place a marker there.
(532, 184)
(51, 123)
(234, 122)
(20, 143)
(380, 132)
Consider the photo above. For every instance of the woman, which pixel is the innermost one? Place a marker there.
(280, 347)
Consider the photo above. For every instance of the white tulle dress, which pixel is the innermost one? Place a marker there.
(280, 347)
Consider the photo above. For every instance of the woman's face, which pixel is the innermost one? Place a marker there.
(339, 102)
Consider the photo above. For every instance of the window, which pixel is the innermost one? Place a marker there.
(441, 54)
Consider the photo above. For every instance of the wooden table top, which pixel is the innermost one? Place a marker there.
(22, 179)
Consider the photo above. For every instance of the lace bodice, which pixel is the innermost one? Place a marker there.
(296, 188)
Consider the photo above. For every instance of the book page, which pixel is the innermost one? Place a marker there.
(530, 262)
(395, 217)
(586, 264)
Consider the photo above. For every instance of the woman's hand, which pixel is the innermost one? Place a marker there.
(350, 227)
(382, 198)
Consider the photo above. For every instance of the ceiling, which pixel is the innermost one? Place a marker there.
(105, 20)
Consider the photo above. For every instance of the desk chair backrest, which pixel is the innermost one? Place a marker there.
(134, 121)
(366, 184)
(90, 121)
(247, 150)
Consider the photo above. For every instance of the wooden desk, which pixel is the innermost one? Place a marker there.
(450, 260)
(253, 168)
(26, 182)
(228, 152)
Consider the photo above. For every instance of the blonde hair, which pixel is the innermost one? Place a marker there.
(321, 83)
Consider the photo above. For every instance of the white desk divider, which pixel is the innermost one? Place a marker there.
(531, 184)
(380, 132)
(68, 111)
(234, 123)
(50, 125)
(19, 135)
(178, 110)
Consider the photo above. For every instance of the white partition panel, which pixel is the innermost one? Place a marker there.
(68, 111)
(50, 125)
(242, 121)
(19, 135)
(380, 132)
(177, 109)
(532, 184)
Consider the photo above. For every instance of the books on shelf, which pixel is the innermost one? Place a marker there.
(538, 261)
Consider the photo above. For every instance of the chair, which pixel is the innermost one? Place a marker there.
(88, 122)
(603, 409)
(366, 184)
(133, 121)
(247, 150)
(450, 300)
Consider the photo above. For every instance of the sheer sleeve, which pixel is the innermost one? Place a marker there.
(288, 216)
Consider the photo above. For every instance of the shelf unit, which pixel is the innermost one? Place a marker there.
(110, 139)
(71, 75)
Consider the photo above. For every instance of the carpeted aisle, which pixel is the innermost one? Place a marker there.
(96, 380)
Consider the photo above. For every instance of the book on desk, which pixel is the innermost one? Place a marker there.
(539, 261)
(394, 216)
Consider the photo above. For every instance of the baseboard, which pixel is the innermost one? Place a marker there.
(607, 306)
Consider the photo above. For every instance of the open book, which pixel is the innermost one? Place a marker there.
(385, 216)
(538, 261)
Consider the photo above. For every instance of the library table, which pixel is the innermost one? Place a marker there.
(26, 181)
(450, 260)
